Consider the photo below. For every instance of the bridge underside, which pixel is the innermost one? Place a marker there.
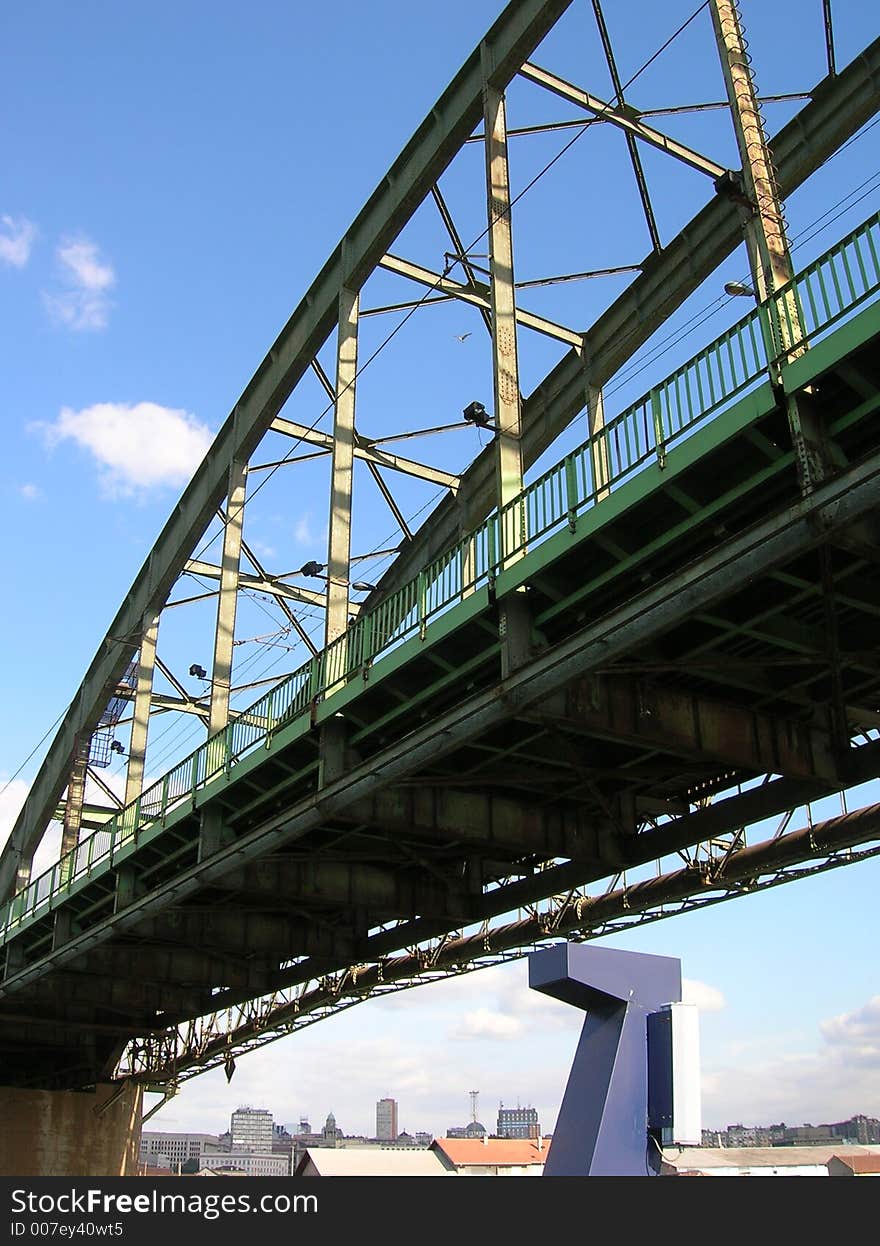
(610, 700)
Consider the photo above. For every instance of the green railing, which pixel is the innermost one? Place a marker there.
(829, 289)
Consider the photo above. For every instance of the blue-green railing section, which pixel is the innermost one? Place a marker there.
(829, 289)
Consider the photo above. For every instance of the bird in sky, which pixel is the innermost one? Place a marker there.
(460, 337)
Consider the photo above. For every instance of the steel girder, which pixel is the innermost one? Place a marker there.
(505, 47)
(646, 712)
(840, 105)
(838, 108)
(802, 526)
(184, 1053)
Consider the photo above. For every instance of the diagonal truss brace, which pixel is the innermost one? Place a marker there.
(625, 118)
(271, 587)
(478, 296)
(364, 450)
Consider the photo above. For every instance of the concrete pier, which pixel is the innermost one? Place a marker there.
(68, 1133)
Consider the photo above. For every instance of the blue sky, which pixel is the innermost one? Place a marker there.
(173, 180)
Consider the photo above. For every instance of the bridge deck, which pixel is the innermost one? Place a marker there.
(694, 622)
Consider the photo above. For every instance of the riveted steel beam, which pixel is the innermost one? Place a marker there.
(76, 787)
(765, 232)
(386, 892)
(227, 601)
(126, 996)
(339, 527)
(187, 967)
(648, 713)
(505, 356)
(493, 823)
(773, 268)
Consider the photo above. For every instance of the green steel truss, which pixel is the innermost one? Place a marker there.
(570, 706)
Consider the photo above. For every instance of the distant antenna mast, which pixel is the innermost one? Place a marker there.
(474, 1094)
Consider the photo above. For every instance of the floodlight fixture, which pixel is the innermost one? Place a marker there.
(738, 290)
(475, 413)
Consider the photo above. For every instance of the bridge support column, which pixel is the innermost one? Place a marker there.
(70, 1133)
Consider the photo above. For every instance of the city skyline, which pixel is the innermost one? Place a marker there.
(294, 1128)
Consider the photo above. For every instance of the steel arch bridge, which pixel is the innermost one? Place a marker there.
(619, 639)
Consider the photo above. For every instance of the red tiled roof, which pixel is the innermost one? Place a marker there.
(860, 1164)
(504, 1151)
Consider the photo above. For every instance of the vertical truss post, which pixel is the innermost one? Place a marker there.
(505, 364)
(598, 442)
(766, 240)
(829, 37)
(599, 457)
(332, 750)
(339, 544)
(23, 868)
(221, 675)
(514, 627)
(767, 224)
(137, 749)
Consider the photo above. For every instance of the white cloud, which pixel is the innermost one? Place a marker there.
(707, 998)
(485, 1023)
(262, 550)
(30, 492)
(137, 446)
(12, 798)
(80, 257)
(507, 1007)
(17, 235)
(856, 1035)
(830, 1084)
(302, 533)
(84, 303)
